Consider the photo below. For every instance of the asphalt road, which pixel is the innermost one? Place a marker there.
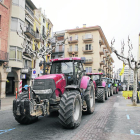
(112, 120)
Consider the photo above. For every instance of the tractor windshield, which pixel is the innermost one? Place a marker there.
(95, 77)
(62, 67)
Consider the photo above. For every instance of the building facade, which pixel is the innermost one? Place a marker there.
(5, 11)
(58, 52)
(125, 75)
(14, 15)
(138, 57)
(91, 43)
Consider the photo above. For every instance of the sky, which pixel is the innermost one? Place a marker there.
(117, 18)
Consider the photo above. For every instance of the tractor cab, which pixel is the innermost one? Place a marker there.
(72, 68)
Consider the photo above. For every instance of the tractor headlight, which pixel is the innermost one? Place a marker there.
(43, 91)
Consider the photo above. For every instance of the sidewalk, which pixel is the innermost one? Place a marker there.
(6, 103)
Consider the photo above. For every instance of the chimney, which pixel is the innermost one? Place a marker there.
(84, 25)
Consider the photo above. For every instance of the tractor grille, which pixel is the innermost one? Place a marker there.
(42, 84)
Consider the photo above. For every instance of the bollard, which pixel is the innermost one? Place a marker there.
(16, 93)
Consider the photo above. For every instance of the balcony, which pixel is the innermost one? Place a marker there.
(102, 51)
(4, 56)
(55, 51)
(89, 60)
(102, 62)
(89, 49)
(73, 40)
(29, 12)
(71, 50)
(38, 37)
(88, 37)
(30, 32)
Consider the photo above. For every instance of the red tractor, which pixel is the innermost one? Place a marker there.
(66, 90)
(101, 88)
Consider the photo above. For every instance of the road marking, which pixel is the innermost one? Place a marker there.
(4, 131)
(128, 117)
(116, 105)
(133, 133)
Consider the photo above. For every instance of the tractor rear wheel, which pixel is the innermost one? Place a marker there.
(111, 91)
(101, 94)
(90, 98)
(70, 109)
(108, 92)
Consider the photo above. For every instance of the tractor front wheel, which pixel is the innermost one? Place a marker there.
(101, 94)
(90, 98)
(70, 109)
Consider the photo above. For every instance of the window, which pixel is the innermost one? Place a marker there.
(88, 69)
(15, 24)
(15, 53)
(76, 47)
(43, 20)
(53, 57)
(48, 26)
(1, 0)
(43, 30)
(88, 47)
(70, 48)
(20, 3)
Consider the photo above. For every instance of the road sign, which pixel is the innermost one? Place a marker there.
(33, 73)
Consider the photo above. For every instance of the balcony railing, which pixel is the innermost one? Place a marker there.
(4, 56)
(58, 51)
(87, 37)
(89, 49)
(88, 60)
(75, 50)
(38, 37)
(73, 40)
(30, 32)
(102, 52)
(29, 10)
(102, 62)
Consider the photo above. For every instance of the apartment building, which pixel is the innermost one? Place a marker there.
(91, 43)
(125, 75)
(58, 52)
(5, 11)
(35, 25)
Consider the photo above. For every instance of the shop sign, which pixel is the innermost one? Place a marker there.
(24, 70)
(8, 69)
(23, 76)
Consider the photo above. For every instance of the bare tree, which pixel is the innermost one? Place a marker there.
(43, 51)
(129, 60)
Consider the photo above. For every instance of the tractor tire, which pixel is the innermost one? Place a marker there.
(117, 90)
(111, 91)
(70, 109)
(90, 98)
(101, 94)
(108, 92)
(114, 90)
(24, 119)
(137, 98)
